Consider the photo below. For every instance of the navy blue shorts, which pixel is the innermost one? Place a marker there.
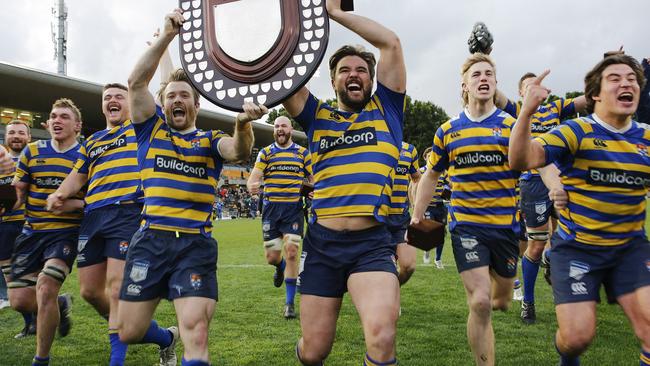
(106, 233)
(33, 249)
(161, 265)
(329, 257)
(535, 204)
(397, 225)
(476, 247)
(437, 212)
(282, 218)
(578, 270)
(9, 231)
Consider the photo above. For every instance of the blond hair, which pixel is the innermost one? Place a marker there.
(471, 61)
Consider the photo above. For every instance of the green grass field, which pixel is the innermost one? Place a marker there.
(248, 328)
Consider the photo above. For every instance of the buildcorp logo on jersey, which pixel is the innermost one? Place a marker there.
(168, 164)
(351, 138)
(479, 158)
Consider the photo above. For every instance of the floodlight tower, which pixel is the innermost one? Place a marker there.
(60, 36)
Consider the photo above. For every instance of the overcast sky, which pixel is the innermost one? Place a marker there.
(105, 38)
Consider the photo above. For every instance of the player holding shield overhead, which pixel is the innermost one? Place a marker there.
(604, 167)
(173, 255)
(354, 153)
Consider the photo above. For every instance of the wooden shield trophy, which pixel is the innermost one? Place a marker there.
(259, 51)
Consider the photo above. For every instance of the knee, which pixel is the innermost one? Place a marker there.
(91, 294)
(381, 335)
(20, 301)
(291, 252)
(130, 333)
(501, 304)
(575, 342)
(195, 332)
(47, 289)
(313, 353)
(480, 305)
(534, 251)
(407, 266)
(272, 257)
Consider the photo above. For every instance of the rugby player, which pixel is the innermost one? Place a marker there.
(354, 151)
(282, 167)
(604, 164)
(473, 149)
(46, 249)
(535, 205)
(173, 254)
(17, 136)
(406, 174)
(108, 164)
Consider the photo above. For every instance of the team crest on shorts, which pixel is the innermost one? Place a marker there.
(647, 264)
(195, 281)
(66, 250)
(468, 242)
(643, 150)
(295, 226)
(511, 263)
(124, 247)
(577, 270)
(540, 208)
(139, 271)
(497, 132)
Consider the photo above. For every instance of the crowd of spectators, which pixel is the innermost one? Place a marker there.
(235, 201)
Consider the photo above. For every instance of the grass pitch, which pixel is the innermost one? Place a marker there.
(248, 328)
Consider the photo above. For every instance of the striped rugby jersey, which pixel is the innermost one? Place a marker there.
(284, 171)
(18, 214)
(179, 175)
(110, 160)
(407, 164)
(475, 155)
(44, 169)
(441, 185)
(545, 119)
(354, 155)
(606, 175)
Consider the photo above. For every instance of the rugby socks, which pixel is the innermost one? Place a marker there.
(367, 361)
(40, 361)
(281, 265)
(28, 318)
(567, 360)
(160, 336)
(529, 270)
(290, 284)
(193, 362)
(645, 358)
(118, 348)
(439, 252)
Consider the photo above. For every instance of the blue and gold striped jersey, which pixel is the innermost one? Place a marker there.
(354, 155)
(44, 169)
(441, 185)
(406, 165)
(475, 155)
(606, 174)
(284, 171)
(13, 215)
(179, 175)
(545, 119)
(109, 158)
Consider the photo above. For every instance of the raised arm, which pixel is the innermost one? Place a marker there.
(524, 153)
(238, 148)
(141, 102)
(391, 70)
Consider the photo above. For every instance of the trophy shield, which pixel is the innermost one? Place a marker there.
(259, 51)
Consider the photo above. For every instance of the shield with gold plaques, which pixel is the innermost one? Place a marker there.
(260, 51)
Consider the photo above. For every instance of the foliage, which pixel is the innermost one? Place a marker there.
(421, 121)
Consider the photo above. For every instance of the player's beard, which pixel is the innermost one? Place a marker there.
(16, 150)
(355, 105)
(282, 140)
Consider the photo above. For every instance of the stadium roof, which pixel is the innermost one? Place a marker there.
(36, 90)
